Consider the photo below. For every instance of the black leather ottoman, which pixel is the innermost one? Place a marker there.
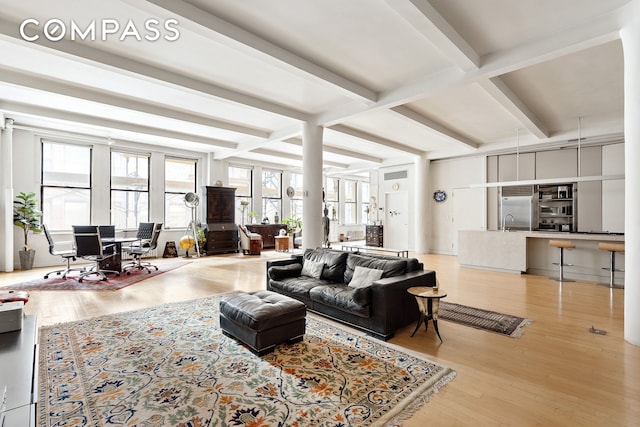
(262, 319)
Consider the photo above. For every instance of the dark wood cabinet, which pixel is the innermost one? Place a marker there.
(373, 235)
(268, 233)
(222, 232)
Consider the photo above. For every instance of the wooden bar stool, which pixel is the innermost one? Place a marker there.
(562, 244)
(612, 248)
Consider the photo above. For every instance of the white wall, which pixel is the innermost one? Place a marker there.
(449, 175)
(386, 187)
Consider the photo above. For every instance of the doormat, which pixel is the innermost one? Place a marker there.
(503, 324)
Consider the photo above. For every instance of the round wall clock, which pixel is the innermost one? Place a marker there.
(440, 196)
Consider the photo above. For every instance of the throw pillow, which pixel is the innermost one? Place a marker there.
(312, 268)
(363, 277)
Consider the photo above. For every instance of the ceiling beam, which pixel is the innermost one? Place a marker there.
(514, 105)
(436, 127)
(130, 67)
(84, 94)
(198, 19)
(589, 34)
(376, 139)
(30, 110)
(427, 21)
(296, 157)
(339, 151)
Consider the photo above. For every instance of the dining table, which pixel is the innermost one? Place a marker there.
(115, 262)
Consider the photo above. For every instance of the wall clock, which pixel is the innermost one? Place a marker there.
(440, 196)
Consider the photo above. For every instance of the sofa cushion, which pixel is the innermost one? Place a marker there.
(389, 267)
(312, 268)
(297, 286)
(280, 272)
(350, 300)
(335, 263)
(363, 276)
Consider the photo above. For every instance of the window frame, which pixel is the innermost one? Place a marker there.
(127, 191)
(43, 186)
(167, 224)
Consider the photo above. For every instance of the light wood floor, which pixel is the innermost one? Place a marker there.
(556, 374)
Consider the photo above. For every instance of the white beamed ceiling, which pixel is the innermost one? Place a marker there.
(389, 79)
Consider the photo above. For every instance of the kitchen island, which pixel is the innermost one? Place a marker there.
(529, 252)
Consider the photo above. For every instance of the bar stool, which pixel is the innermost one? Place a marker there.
(562, 244)
(612, 248)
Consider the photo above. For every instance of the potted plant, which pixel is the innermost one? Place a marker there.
(293, 225)
(252, 216)
(26, 215)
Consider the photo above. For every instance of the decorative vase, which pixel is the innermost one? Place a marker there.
(26, 259)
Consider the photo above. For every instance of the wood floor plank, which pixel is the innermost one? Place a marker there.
(556, 374)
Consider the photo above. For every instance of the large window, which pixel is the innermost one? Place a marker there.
(129, 189)
(66, 185)
(271, 194)
(332, 198)
(240, 179)
(365, 207)
(179, 179)
(350, 202)
(296, 200)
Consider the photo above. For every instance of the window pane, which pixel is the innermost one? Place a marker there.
(296, 208)
(331, 192)
(129, 208)
(179, 175)
(240, 178)
(129, 171)
(296, 183)
(176, 213)
(64, 207)
(349, 213)
(66, 165)
(364, 188)
(242, 210)
(271, 184)
(269, 209)
(349, 191)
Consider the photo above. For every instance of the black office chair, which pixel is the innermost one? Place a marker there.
(68, 255)
(143, 247)
(90, 247)
(144, 235)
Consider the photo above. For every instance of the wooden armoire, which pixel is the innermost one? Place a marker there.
(222, 231)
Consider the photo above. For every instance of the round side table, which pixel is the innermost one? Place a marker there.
(428, 300)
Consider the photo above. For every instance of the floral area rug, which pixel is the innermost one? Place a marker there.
(500, 323)
(114, 283)
(170, 365)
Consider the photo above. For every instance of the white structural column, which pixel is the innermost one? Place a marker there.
(312, 182)
(630, 36)
(422, 212)
(6, 198)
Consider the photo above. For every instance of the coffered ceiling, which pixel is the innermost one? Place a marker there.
(388, 79)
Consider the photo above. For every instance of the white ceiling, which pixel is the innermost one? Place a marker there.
(388, 79)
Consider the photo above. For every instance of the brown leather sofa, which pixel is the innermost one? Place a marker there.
(379, 308)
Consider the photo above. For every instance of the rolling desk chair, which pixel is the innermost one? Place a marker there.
(90, 247)
(143, 247)
(68, 255)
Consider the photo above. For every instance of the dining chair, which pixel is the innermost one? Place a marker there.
(67, 254)
(89, 246)
(141, 248)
